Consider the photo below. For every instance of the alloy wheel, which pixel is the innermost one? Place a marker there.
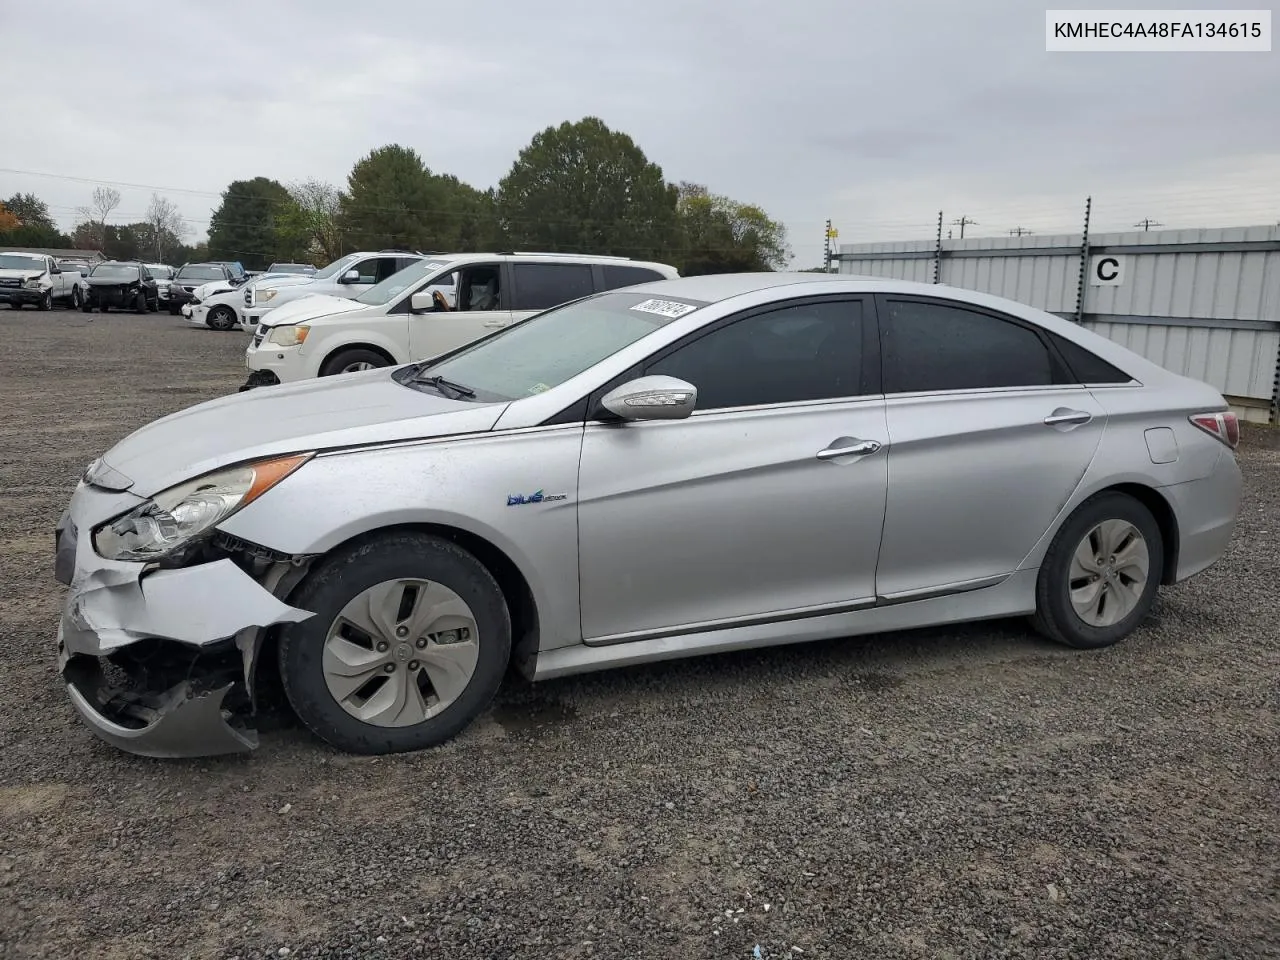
(1109, 573)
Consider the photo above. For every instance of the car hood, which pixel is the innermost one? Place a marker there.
(310, 307)
(317, 414)
(206, 290)
(20, 274)
(110, 281)
(288, 280)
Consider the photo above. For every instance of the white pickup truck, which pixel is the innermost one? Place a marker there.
(33, 278)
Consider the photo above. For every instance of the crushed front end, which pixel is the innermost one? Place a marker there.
(159, 657)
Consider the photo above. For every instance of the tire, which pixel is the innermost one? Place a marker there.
(103, 308)
(342, 578)
(173, 310)
(153, 306)
(348, 361)
(140, 302)
(222, 318)
(86, 306)
(77, 298)
(16, 305)
(1110, 516)
(46, 301)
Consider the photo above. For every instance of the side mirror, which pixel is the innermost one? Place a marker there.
(351, 276)
(652, 398)
(422, 302)
(55, 270)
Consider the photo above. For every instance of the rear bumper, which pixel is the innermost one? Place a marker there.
(1206, 510)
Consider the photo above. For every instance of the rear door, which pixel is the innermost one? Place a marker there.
(540, 286)
(988, 438)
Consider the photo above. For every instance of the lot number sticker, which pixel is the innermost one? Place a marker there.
(665, 308)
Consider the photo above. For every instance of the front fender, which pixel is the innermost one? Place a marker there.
(480, 485)
(329, 344)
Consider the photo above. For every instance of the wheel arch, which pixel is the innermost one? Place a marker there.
(516, 591)
(1162, 512)
(380, 349)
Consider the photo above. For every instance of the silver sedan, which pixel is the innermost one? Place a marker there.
(665, 470)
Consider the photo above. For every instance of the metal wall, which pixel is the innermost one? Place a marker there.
(1204, 303)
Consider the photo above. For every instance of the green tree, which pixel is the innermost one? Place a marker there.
(245, 225)
(720, 235)
(581, 187)
(394, 200)
(31, 225)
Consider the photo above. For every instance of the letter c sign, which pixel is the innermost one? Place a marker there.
(1106, 271)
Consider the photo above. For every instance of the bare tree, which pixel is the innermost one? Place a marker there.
(318, 216)
(105, 199)
(165, 224)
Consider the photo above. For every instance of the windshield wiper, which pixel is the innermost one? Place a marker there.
(446, 386)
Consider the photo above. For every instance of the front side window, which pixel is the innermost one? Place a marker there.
(928, 347)
(540, 286)
(337, 268)
(531, 357)
(809, 351)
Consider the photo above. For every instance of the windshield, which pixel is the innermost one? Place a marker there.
(11, 261)
(115, 271)
(552, 347)
(397, 283)
(201, 273)
(336, 267)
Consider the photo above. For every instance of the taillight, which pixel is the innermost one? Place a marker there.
(1224, 426)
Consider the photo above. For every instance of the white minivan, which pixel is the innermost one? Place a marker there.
(431, 307)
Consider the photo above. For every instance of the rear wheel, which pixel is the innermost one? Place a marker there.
(1101, 573)
(350, 361)
(409, 642)
(221, 318)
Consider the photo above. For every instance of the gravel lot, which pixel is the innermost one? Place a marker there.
(972, 792)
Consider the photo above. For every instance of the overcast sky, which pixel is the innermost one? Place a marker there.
(876, 113)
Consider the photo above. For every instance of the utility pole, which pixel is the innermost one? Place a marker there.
(830, 235)
(1018, 231)
(962, 222)
(1146, 223)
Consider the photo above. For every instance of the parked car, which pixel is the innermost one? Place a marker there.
(163, 275)
(35, 279)
(658, 471)
(347, 276)
(414, 314)
(192, 275)
(301, 269)
(217, 304)
(124, 284)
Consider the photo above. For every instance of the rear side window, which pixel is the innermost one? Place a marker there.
(1086, 366)
(931, 346)
(543, 285)
(617, 276)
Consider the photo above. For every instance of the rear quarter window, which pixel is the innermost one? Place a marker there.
(620, 276)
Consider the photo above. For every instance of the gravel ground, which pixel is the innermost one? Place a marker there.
(971, 792)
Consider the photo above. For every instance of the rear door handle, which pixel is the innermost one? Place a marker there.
(858, 447)
(1063, 415)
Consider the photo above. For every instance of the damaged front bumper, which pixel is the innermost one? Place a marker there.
(159, 662)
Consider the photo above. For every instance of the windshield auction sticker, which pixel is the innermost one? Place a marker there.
(665, 308)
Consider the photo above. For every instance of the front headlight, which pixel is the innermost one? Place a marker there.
(288, 336)
(32, 284)
(266, 296)
(178, 515)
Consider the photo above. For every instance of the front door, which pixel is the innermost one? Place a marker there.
(747, 509)
(988, 440)
(477, 305)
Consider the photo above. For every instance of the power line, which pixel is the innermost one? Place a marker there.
(1146, 223)
(1019, 231)
(962, 222)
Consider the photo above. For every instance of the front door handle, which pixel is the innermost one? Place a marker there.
(856, 448)
(1064, 415)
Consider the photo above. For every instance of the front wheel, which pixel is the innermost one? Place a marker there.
(140, 302)
(1100, 575)
(353, 360)
(409, 642)
(222, 318)
(46, 301)
(77, 298)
